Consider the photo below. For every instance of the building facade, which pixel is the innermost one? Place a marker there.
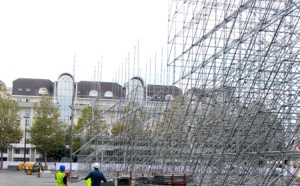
(71, 98)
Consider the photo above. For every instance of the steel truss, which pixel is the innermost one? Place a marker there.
(237, 121)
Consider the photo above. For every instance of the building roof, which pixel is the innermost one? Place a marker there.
(159, 92)
(31, 87)
(85, 87)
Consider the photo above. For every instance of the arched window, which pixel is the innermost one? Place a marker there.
(136, 89)
(65, 89)
(169, 97)
(43, 91)
(93, 93)
(108, 94)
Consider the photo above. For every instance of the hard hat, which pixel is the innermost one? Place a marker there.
(62, 168)
(96, 165)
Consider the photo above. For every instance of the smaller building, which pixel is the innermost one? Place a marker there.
(18, 152)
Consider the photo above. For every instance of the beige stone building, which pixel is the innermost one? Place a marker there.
(71, 97)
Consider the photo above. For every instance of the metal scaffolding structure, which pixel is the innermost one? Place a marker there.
(237, 119)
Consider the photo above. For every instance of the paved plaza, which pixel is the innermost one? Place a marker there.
(20, 178)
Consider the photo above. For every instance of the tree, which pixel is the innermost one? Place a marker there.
(57, 155)
(9, 121)
(133, 120)
(89, 126)
(47, 132)
(118, 129)
(174, 122)
(260, 128)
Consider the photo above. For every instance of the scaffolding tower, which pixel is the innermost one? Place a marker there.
(237, 119)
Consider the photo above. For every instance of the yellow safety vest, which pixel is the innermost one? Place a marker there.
(60, 179)
(88, 182)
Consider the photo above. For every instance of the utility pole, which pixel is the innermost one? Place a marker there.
(25, 128)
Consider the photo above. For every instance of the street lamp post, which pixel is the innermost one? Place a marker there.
(26, 124)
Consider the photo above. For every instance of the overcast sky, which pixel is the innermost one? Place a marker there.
(39, 38)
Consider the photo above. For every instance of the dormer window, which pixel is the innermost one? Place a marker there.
(169, 97)
(43, 91)
(93, 93)
(108, 94)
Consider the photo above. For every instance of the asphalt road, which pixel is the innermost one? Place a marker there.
(20, 178)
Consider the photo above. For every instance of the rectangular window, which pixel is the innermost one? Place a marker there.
(27, 112)
(27, 151)
(27, 89)
(27, 100)
(17, 151)
(20, 89)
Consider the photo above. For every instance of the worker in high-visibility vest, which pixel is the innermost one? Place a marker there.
(95, 177)
(61, 177)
